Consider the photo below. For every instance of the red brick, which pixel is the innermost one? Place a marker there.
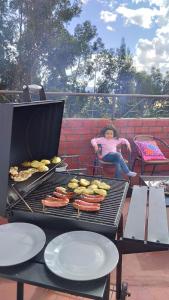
(156, 129)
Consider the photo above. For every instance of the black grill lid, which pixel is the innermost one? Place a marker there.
(28, 131)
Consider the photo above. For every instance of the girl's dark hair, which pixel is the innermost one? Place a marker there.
(110, 127)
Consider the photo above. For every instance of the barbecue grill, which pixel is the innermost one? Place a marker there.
(32, 131)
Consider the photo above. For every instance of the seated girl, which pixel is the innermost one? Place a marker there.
(109, 142)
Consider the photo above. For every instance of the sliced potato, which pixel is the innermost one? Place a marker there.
(101, 192)
(104, 186)
(92, 186)
(35, 163)
(80, 190)
(73, 185)
(56, 160)
(89, 191)
(45, 161)
(26, 164)
(84, 182)
(97, 182)
(74, 180)
(42, 168)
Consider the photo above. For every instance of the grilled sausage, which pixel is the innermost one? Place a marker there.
(55, 202)
(60, 190)
(68, 195)
(93, 196)
(93, 199)
(85, 206)
(60, 195)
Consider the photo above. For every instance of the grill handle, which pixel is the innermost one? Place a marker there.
(34, 88)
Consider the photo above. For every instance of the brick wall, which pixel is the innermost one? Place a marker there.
(77, 133)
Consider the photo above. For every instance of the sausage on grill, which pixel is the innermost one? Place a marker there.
(93, 199)
(94, 196)
(60, 195)
(60, 189)
(68, 195)
(85, 206)
(55, 202)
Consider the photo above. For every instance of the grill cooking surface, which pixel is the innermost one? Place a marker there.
(108, 215)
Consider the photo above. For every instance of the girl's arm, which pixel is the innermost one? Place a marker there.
(126, 142)
(95, 143)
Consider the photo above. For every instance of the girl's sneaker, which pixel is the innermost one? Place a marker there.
(131, 174)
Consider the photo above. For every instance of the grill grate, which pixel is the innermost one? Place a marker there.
(108, 215)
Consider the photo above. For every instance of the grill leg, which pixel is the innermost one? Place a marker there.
(119, 277)
(106, 294)
(119, 265)
(20, 291)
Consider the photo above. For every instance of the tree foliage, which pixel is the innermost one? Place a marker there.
(37, 47)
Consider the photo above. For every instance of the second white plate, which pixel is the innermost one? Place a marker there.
(81, 255)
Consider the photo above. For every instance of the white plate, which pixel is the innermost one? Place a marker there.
(19, 243)
(81, 255)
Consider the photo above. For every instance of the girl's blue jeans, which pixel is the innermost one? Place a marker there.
(117, 159)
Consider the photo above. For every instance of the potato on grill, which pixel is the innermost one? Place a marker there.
(56, 160)
(80, 190)
(88, 191)
(42, 168)
(101, 192)
(74, 180)
(104, 186)
(45, 161)
(96, 182)
(26, 164)
(84, 182)
(35, 164)
(92, 187)
(73, 185)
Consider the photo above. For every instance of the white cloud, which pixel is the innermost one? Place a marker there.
(142, 17)
(85, 1)
(153, 52)
(107, 16)
(152, 2)
(110, 28)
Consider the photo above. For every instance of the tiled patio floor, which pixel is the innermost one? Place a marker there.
(147, 275)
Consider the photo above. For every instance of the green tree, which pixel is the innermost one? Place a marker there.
(157, 81)
(166, 83)
(39, 38)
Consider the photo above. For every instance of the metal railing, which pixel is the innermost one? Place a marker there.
(102, 105)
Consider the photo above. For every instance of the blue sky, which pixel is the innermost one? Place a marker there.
(143, 23)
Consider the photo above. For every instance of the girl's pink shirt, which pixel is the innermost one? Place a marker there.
(109, 145)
